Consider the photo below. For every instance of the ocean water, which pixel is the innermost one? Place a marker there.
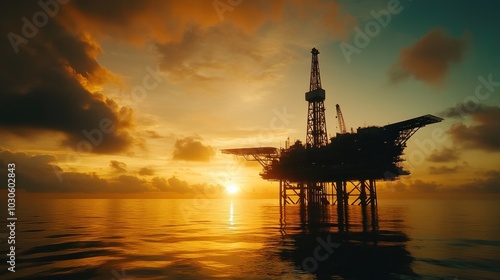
(253, 239)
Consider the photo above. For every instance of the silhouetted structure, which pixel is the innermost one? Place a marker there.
(316, 123)
(340, 118)
(348, 165)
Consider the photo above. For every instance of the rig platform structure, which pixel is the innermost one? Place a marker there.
(324, 171)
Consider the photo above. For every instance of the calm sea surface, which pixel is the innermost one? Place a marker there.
(252, 239)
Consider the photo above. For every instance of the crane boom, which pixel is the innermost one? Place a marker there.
(341, 120)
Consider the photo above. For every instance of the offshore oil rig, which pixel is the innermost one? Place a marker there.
(324, 171)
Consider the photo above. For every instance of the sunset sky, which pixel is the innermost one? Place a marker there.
(136, 98)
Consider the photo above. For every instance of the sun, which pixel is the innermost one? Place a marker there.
(232, 189)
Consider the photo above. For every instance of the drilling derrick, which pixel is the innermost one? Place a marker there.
(316, 131)
(316, 122)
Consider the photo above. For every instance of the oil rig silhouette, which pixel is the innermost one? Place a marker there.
(325, 171)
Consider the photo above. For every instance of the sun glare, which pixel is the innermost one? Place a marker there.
(231, 189)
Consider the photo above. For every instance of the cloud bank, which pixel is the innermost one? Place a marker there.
(482, 134)
(40, 174)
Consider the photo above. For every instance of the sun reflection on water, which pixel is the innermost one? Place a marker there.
(231, 214)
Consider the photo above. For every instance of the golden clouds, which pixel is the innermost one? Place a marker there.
(198, 40)
(57, 82)
(192, 149)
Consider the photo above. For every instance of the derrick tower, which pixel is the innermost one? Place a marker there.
(316, 122)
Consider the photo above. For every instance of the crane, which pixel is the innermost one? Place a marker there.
(341, 120)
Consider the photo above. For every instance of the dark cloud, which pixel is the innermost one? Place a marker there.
(146, 171)
(50, 81)
(444, 155)
(192, 149)
(442, 170)
(128, 184)
(464, 110)
(485, 182)
(118, 166)
(429, 59)
(488, 182)
(172, 184)
(39, 173)
(417, 186)
(72, 182)
(458, 111)
(422, 186)
(483, 133)
(176, 185)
